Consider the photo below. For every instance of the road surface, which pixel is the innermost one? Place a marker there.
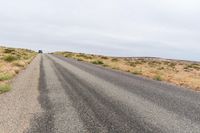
(78, 97)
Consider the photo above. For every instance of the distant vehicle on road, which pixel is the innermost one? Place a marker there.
(40, 51)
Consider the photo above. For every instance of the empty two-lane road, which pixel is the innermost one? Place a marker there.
(81, 97)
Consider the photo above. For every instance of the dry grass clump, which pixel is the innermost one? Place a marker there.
(83, 56)
(182, 73)
(192, 67)
(157, 77)
(97, 62)
(104, 57)
(20, 63)
(12, 60)
(114, 60)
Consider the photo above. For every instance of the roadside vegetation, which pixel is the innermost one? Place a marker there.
(183, 73)
(12, 60)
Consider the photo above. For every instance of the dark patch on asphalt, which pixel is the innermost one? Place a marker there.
(105, 111)
(43, 122)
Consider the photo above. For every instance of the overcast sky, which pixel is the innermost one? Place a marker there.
(163, 28)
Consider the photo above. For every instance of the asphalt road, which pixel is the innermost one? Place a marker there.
(79, 97)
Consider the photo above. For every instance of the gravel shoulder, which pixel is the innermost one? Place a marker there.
(20, 104)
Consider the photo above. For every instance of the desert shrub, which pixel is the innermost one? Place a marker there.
(157, 77)
(4, 88)
(9, 50)
(84, 56)
(192, 66)
(132, 64)
(126, 59)
(154, 63)
(104, 57)
(187, 68)
(5, 76)
(142, 61)
(26, 57)
(98, 62)
(10, 58)
(136, 72)
(29, 51)
(116, 68)
(166, 62)
(138, 62)
(172, 64)
(114, 60)
(17, 71)
(24, 54)
(87, 57)
(68, 55)
(105, 65)
(161, 68)
(80, 55)
(195, 66)
(79, 59)
(20, 64)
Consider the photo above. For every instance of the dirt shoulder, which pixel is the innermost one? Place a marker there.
(182, 73)
(20, 104)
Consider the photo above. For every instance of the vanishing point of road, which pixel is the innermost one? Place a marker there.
(78, 97)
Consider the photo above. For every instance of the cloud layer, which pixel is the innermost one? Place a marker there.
(167, 29)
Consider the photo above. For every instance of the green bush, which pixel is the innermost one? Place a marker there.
(4, 88)
(68, 55)
(137, 72)
(84, 56)
(158, 77)
(98, 62)
(5, 76)
(10, 58)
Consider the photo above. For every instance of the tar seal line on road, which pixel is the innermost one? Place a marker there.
(44, 122)
(59, 115)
